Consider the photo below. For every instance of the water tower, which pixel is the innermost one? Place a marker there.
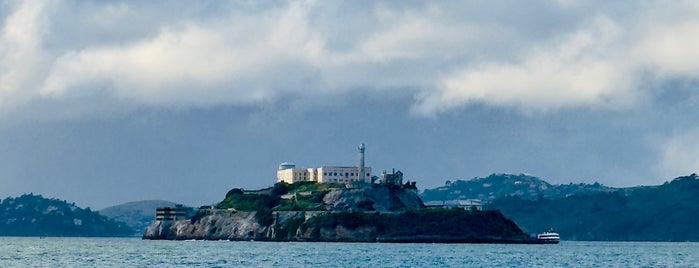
(286, 165)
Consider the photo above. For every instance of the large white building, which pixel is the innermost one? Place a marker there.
(289, 173)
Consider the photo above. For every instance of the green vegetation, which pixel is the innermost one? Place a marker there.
(299, 196)
(249, 202)
(308, 211)
(497, 186)
(34, 215)
(651, 213)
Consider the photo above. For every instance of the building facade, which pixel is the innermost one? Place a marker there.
(342, 174)
(325, 174)
(176, 213)
(289, 173)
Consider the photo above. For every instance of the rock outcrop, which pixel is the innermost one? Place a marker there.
(216, 225)
(334, 213)
(372, 198)
(412, 226)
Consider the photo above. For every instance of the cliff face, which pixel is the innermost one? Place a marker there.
(244, 226)
(371, 199)
(326, 212)
(217, 225)
(415, 226)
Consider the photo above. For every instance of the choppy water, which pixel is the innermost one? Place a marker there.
(132, 252)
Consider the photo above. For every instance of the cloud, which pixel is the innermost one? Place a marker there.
(603, 64)
(580, 70)
(21, 57)
(680, 154)
(670, 50)
(194, 64)
(448, 55)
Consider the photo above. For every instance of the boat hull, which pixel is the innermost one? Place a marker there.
(546, 241)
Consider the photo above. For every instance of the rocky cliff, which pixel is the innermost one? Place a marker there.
(411, 226)
(372, 199)
(326, 212)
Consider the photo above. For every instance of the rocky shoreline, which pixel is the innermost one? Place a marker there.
(335, 213)
(483, 227)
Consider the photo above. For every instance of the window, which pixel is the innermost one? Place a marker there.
(367, 174)
(352, 174)
(335, 174)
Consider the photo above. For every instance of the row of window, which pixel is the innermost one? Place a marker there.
(304, 174)
(346, 174)
(341, 180)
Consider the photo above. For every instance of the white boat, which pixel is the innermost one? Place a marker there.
(548, 237)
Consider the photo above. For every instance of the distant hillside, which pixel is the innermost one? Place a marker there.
(651, 213)
(34, 215)
(137, 215)
(502, 185)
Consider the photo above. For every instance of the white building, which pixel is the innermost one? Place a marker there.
(289, 173)
(342, 174)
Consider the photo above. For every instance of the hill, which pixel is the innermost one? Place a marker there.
(651, 213)
(34, 215)
(311, 196)
(137, 215)
(497, 186)
(362, 212)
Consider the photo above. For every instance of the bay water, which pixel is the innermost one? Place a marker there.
(134, 252)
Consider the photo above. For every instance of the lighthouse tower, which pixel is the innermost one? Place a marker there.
(360, 167)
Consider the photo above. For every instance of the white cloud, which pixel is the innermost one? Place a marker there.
(195, 64)
(449, 55)
(21, 57)
(583, 69)
(601, 65)
(415, 36)
(671, 50)
(680, 155)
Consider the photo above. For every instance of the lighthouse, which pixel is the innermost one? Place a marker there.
(360, 167)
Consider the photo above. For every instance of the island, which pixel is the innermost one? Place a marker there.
(334, 204)
(333, 212)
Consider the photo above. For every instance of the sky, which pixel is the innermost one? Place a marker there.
(107, 102)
